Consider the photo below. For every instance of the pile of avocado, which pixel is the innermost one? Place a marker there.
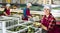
(17, 28)
(31, 30)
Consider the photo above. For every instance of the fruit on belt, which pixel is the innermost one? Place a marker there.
(37, 24)
(17, 28)
(28, 24)
(31, 30)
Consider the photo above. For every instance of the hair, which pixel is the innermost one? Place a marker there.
(47, 7)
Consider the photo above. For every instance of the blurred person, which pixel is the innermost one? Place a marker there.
(7, 10)
(48, 22)
(26, 12)
(14, 7)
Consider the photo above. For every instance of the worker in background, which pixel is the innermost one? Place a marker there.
(7, 10)
(26, 12)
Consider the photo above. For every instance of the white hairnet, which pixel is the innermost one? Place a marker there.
(29, 4)
(7, 4)
(47, 7)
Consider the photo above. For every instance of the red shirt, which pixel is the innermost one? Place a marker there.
(28, 12)
(49, 22)
(7, 11)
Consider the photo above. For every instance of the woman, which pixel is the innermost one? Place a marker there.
(48, 21)
(7, 10)
(26, 12)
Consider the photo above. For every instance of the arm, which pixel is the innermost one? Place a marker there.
(42, 26)
(5, 12)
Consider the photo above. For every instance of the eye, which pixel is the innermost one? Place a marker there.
(47, 9)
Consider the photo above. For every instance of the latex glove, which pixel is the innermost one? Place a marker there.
(44, 27)
(29, 17)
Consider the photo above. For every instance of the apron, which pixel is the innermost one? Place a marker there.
(26, 13)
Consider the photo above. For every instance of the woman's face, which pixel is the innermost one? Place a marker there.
(28, 6)
(47, 11)
(7, 6)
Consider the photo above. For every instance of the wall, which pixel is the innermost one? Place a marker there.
(0, 1)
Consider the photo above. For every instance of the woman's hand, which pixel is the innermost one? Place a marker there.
(29, 17)
(5, 14)
(43, 27)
